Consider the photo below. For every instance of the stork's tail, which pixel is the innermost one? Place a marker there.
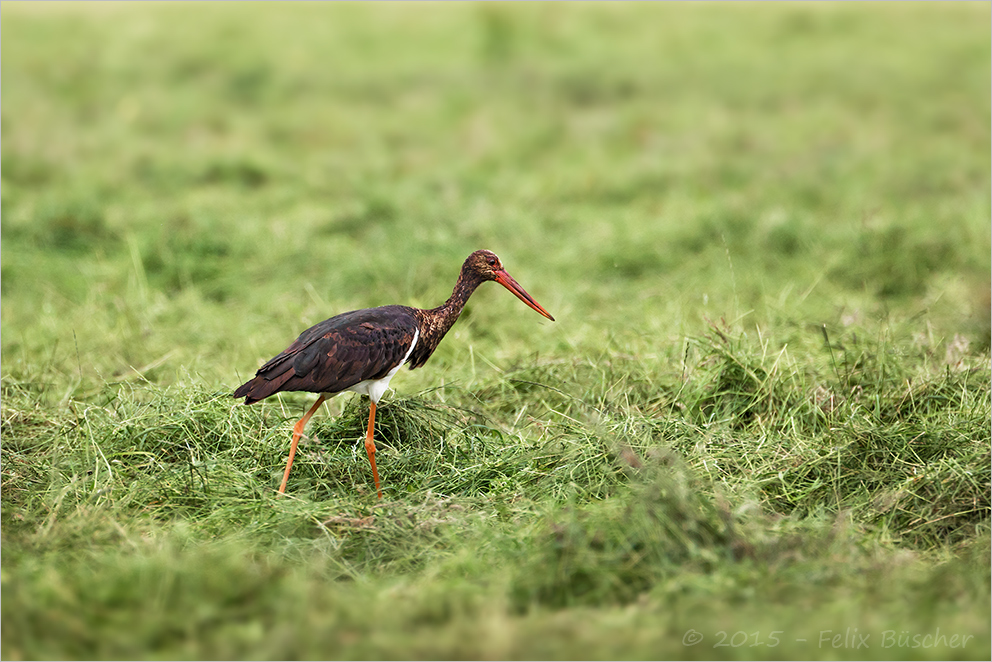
(259, 388)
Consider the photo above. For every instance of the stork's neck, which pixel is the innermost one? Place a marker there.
(447, 313)
(436, 322)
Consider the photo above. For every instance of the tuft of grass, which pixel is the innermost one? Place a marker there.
(615, 550)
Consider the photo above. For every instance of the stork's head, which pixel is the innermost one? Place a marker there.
(485, 265)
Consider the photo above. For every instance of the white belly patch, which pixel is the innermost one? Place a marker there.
(375, 388)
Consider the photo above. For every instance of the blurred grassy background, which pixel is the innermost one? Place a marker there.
(637, 167)
(697, 192)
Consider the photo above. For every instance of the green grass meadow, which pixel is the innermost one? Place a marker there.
(759, 428)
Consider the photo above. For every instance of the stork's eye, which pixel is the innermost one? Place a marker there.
(491, 261)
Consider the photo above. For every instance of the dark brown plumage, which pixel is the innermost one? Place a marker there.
(337, 353)
(361, 350)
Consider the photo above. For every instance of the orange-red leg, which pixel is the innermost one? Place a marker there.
(370, 449)
(297, 432)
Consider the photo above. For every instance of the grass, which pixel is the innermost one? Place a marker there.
(761, 420)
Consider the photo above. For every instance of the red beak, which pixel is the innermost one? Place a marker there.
(507, 281)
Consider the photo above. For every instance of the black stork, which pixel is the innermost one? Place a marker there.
(360, 351)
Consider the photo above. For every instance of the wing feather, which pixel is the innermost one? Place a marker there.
(337, 353)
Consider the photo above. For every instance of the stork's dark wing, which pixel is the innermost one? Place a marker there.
(337, 353)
